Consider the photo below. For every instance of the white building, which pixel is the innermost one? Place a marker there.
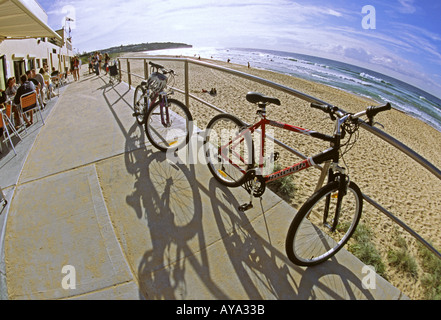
(26, 41)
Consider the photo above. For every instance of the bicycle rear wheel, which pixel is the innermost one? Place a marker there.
(141, 102)
(168, 127)
(310, 238)
(228, 148)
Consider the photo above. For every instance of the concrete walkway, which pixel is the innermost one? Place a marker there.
(96, 213)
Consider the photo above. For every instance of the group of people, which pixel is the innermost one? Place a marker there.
(29, 82)
(96, 63)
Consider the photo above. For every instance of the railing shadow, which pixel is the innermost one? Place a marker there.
(266, 272)
(167, 197)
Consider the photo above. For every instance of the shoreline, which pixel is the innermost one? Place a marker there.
(383, 173)
(413, 112)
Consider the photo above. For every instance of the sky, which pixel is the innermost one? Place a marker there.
(399, 38)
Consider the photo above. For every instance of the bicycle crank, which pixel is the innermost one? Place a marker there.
(255, 186)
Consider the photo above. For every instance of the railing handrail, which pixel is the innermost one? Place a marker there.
(377, 132)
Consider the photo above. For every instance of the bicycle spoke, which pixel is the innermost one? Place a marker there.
(323, 225)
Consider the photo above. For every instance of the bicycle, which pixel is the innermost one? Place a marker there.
(168, 122)
(327, 220)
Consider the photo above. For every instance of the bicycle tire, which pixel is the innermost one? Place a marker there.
(309, 241)
(220, 130)
(178, 132)
(140, 103)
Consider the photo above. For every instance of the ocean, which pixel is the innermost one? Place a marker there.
(357, 80)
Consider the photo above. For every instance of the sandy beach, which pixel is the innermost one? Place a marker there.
(382, 172)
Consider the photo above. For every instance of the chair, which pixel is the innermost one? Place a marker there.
(28, 103)
(48, 90)
(5, 121)
(3, 198)
(56, 82)
(62, 79)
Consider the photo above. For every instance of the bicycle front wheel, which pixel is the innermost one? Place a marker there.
(228, 149)
(168, 126)
(141, 102)
(314, 236)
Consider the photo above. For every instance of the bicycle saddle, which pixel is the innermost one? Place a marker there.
(255, 97)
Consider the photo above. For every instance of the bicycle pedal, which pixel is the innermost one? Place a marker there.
(135, 114)
(245, 207)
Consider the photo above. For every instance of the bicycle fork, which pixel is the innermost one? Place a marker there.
(341, 193)
(165, 115)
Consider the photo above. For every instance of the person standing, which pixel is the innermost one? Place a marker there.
(97, 63)
(76, 69)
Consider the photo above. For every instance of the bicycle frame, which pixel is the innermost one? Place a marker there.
(165, 116)
(329, 154)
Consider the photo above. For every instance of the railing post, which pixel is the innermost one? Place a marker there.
(187, 91)
(119, 69)
(128, 73)
(146, 69)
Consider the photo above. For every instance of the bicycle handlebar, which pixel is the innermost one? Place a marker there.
(333, 111)
(373, 111)
(155, 65)
(160, 67)
(324, 107)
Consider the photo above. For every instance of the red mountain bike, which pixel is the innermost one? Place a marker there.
(329, 217)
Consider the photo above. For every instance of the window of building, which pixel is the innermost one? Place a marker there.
(31, 64)
(19, 68)
(2, 73)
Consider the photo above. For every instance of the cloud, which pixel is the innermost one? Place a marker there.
(407, 6)
(196, 22)
(318, 28)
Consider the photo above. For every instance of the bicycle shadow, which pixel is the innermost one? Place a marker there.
(264, 271)
(166, 198)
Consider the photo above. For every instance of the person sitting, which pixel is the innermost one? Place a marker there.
(55, 77)
(2, 101)
(26, 87)
(31, 79)
(2, 97)
(11, 90)
(54, 72)
(42, 86)
(37, 84)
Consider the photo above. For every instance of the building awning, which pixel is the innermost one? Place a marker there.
(21, 19)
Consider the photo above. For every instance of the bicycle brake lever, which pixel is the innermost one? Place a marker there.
(375, 123)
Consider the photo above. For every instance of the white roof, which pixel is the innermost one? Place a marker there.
(20, 19)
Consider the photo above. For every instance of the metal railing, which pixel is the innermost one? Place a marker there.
(379, 133)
